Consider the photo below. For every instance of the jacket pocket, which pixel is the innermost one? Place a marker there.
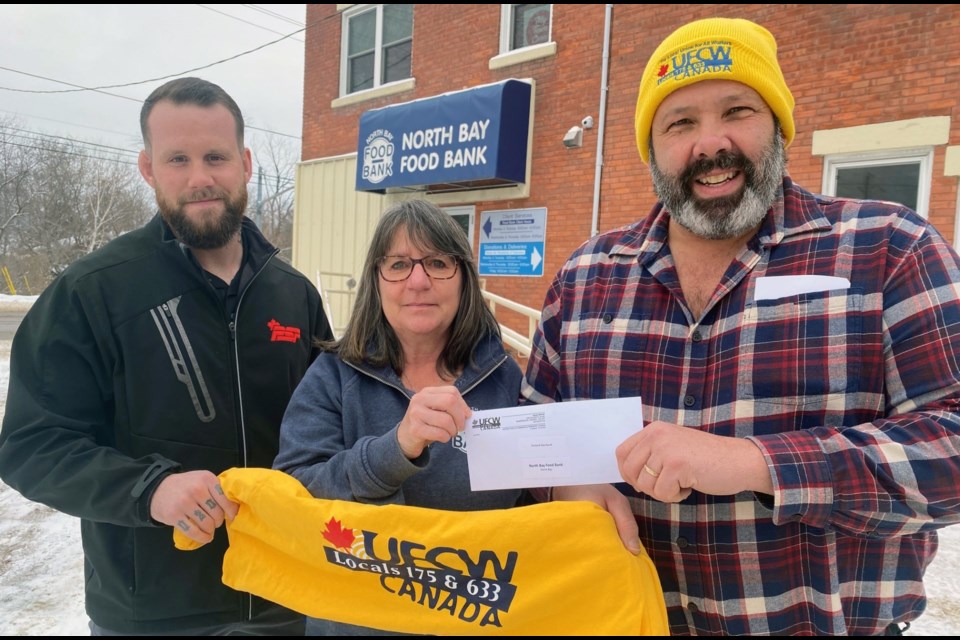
(183, 358)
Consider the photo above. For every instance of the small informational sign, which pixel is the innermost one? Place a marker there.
(512, 242)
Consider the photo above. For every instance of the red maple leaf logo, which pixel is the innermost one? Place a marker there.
(340, 537)
(663, 71)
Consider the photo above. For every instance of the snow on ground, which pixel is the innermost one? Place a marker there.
(41, 566)
(15, 303)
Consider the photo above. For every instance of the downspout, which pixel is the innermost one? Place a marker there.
(601, 119)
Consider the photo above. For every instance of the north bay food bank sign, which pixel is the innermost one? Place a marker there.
(466, 139)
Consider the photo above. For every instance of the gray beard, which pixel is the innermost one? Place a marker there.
(728, 217)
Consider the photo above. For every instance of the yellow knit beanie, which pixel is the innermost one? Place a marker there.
(714, 49)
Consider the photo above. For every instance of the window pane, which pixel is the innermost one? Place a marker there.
(362, 33)
(396, 62)
(463, 219)
(892, 182)
(397, 22)
(531, 25)
(361, 73)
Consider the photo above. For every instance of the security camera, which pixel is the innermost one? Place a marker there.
(587, 122)
(573, 138)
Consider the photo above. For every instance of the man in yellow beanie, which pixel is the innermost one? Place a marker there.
(797, 356)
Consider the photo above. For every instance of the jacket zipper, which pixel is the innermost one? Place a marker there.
(494, 367)
(483, 376)
(232, 325)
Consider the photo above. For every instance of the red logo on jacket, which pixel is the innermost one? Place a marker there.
(280, 333)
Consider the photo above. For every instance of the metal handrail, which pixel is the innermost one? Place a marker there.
(523, 344)
(349, 294)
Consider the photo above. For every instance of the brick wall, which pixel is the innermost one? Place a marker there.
(846, 65)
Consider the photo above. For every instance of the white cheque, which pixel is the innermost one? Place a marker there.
(549, 445)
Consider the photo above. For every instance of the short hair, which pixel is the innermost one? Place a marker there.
(368, 336)
(195, 91)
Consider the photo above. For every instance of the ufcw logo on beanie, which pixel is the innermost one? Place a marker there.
(713, 49)
(697, 59)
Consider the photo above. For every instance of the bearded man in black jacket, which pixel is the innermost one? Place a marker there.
(155, 363)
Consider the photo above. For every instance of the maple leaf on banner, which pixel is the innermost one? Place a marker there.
(340, 537)
(663, 71)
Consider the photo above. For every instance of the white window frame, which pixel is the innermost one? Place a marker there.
(956, 225)
(377, 51)
(920, 155)
(506, 31)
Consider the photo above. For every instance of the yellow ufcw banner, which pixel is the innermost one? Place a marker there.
(549, 569)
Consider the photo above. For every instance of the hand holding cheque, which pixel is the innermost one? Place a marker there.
(600, 441)
(550, 445)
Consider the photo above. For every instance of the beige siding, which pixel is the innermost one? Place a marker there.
(333, 224)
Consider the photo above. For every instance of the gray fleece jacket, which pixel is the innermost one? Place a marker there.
(339, 439)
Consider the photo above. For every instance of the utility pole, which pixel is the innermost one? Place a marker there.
(260, 197)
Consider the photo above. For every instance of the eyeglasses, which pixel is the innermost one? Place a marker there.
(399, 268)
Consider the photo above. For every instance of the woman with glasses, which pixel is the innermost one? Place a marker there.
(377, 417)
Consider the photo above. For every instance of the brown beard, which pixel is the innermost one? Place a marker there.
(209, 232)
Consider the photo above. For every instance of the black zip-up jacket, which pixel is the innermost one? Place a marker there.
(128, 368)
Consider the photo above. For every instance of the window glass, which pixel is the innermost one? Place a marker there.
(892, 182)
(361, 73)
(531, 25)
(396, 62)
(363, 33)
(397, 22)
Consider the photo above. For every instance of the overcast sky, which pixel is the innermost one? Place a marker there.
(49, 47)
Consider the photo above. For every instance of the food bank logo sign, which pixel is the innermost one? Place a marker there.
(476, 589)
(378, 156)
(470, 138)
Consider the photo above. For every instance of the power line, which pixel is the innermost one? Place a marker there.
(115, 159)
(80, 88)
(253, 24)
(72, 124)
(274, 14)
(132, 152)
(78, 151)
(71, 140)
(132, 84)
(33, 75)
(69, 153)
(69, 84)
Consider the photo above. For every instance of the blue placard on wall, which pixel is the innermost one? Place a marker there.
(479, 134)
(512, 242)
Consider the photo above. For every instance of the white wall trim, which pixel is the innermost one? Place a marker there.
(885, 136)
(951, 164)
(377, 92)
(526, 54)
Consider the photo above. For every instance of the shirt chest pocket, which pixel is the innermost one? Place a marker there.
(802, 351)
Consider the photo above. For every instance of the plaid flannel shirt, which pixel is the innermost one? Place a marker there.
(851, 394)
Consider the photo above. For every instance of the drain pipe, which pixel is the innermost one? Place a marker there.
(602, 119)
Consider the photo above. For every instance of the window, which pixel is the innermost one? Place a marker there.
(464, 217)
(901, 176)
(377, 46)
(524, 25)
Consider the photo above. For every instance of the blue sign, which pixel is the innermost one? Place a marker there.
(512, 242)
(474, 137)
